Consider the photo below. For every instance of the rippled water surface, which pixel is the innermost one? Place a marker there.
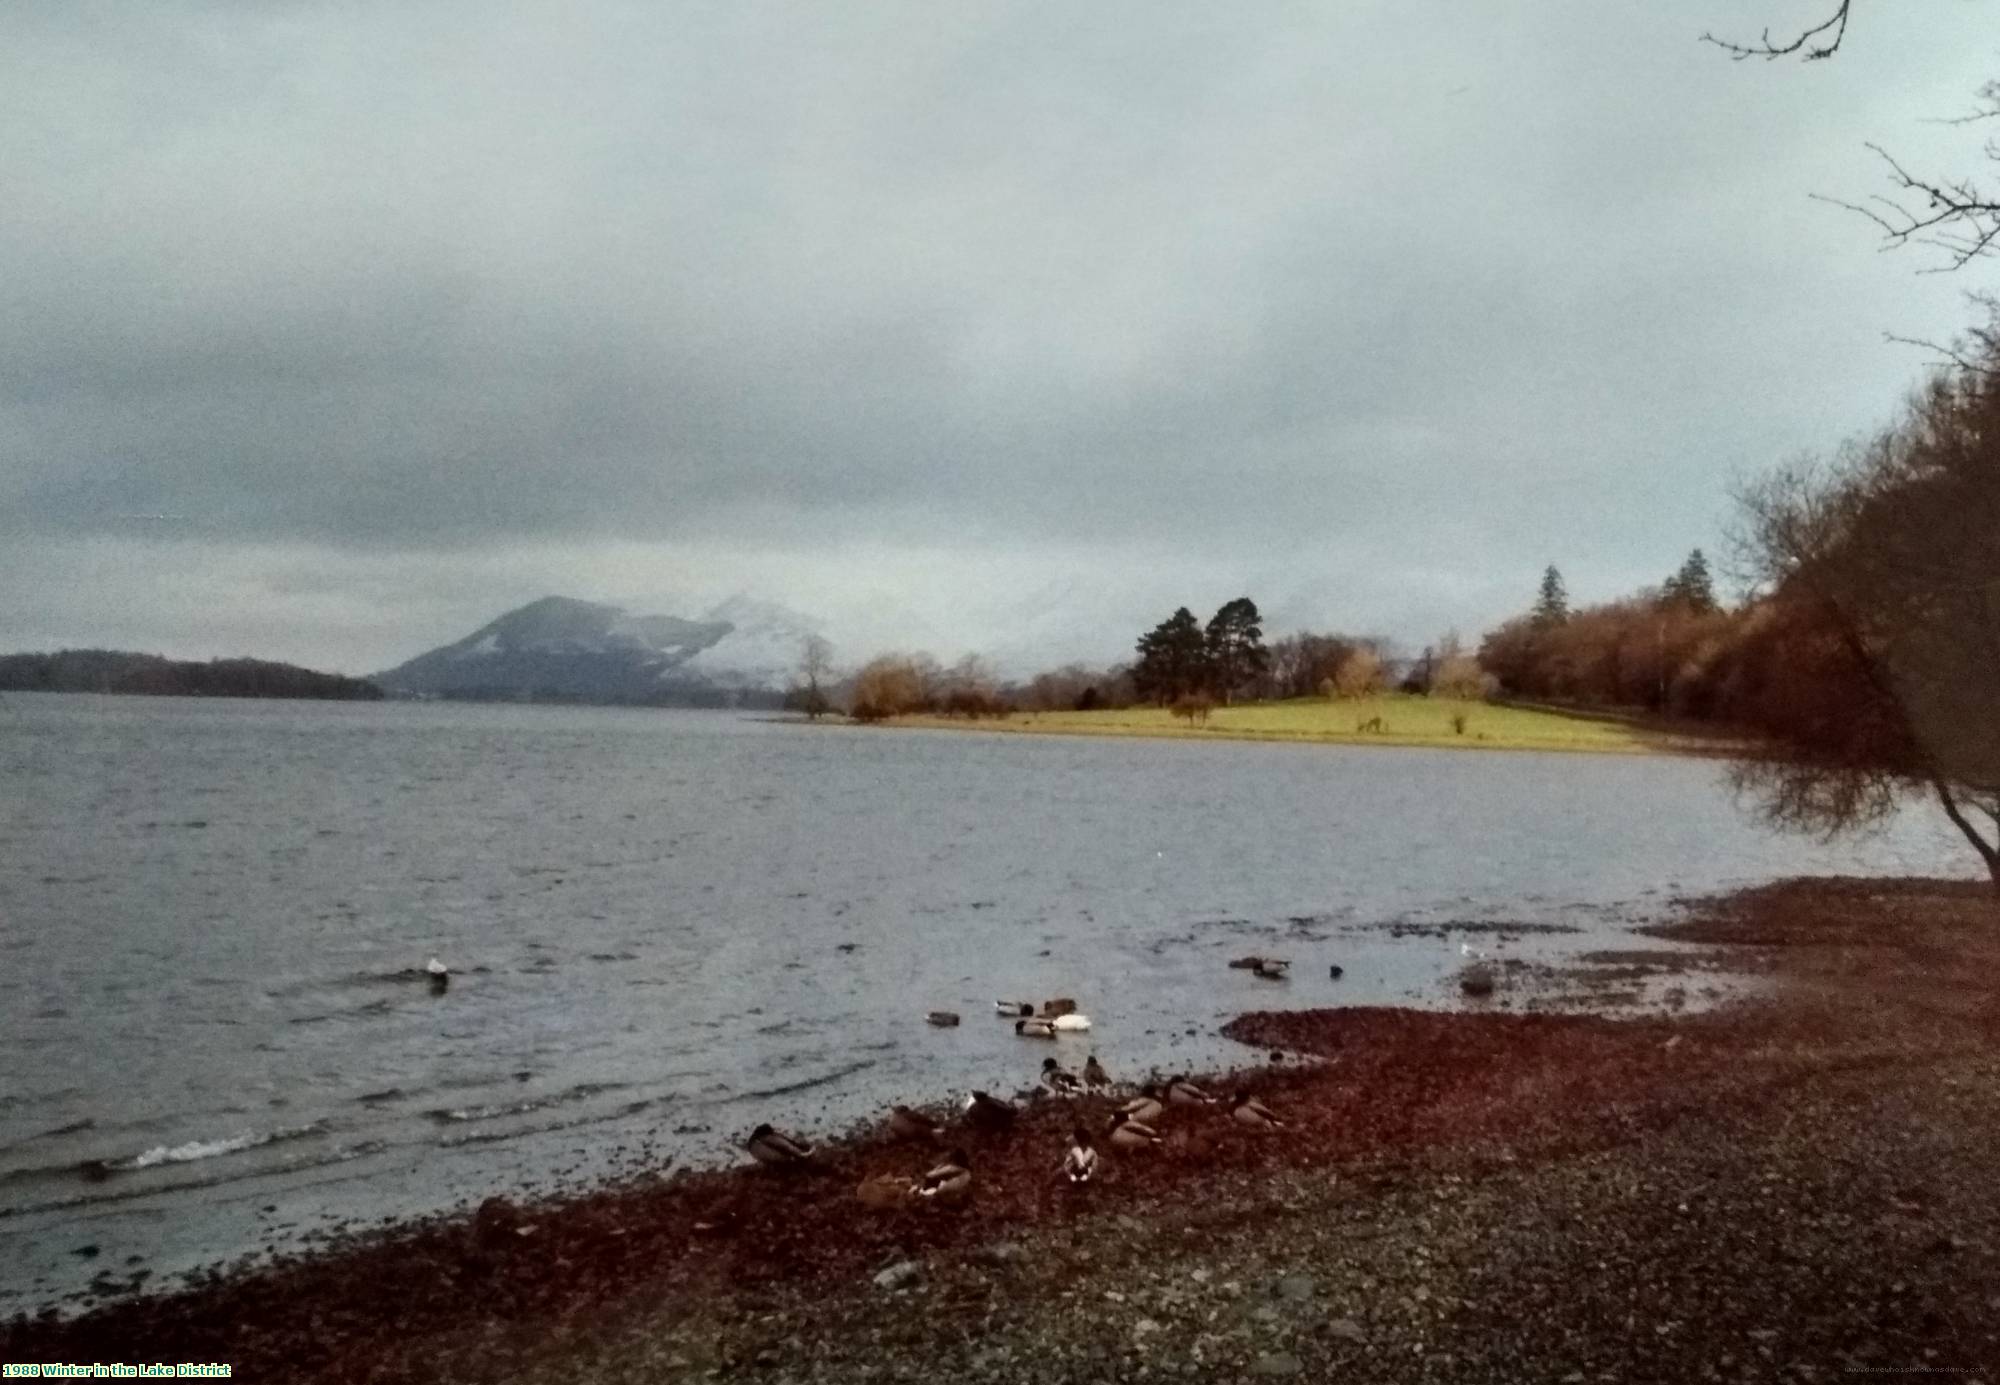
(665, 926)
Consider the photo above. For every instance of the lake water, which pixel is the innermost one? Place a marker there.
(667, 926)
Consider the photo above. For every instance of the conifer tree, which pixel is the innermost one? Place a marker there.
(1552, 605)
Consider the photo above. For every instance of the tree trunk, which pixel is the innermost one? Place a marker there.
(1989, 852)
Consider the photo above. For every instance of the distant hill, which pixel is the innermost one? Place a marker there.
(560, 649)
(115, 671)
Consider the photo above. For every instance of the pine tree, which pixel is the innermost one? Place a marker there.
(1234, 645)
(1172, 659)
(1552, 606)
(1692, 586)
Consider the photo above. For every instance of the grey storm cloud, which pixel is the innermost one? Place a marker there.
(1381, 305)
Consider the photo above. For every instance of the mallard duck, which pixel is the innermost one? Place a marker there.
(943, 1019)
(439, 974)
(1070, 1024)
(1335, 971)
(1094, 1075)
(1146, 1106)
(1181, 1092)
(1272, 968)
(1250, 1112)
(1012, 1008)
(1059, 1079)
(950, 1181)
(1061, 1005)
(1127, 1133)
(777, 1149)
(908, 1124)
(1035, 1029)
(989, 1112)
(1080, 1163)
(1250, 963)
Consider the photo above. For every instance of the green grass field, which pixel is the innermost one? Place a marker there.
(1404, 720)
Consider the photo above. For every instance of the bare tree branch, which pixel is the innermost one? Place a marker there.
(1959, 217)
(1813, 44)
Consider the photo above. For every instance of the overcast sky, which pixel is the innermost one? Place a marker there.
(329, 331)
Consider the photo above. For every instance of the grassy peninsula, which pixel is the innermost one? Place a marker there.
(1388, 719)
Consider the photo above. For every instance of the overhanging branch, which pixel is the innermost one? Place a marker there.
(1822, 40)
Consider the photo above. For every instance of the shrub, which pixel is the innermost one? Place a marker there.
(1193, 708)
(1359, 674)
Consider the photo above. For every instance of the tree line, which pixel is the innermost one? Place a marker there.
(114, 671)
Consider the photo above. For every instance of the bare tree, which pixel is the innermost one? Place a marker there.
(1360, 674)
(815, 671)
(1884, 572)
(1957, 215)
(1821, 40)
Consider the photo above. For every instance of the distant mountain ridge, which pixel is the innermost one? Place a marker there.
(116, 671)
(560, 649)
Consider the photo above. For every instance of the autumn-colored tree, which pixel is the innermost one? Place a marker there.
(1359, 675)
(891, 685)
(1883, 570)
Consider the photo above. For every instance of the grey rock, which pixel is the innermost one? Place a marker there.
(1297, 1287)
(1277, 1363)
(900, 1275)
(1346, 1328)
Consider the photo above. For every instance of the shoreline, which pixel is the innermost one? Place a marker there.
(1389, 1099)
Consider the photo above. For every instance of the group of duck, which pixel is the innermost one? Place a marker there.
(1134, 1126)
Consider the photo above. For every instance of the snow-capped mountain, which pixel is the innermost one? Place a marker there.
(762, 647)
(561, 649)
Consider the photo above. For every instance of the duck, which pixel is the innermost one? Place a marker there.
(908, 1124)
(1181, 1092)
(1035, 1029)
(1094, 1075)
(1272, 968)
(1336, 971)
(943, 1019)
(1250, 1112)
(1080, 1163)
(1250, 963)
(439, 974)
(776, 1149)
(1061, 1005)
(1013, 1008)
(1070, 1024)
(1145, 1107)
(1059, 1079)
(950, 1181)
(989, 1112)
(1127, 1133)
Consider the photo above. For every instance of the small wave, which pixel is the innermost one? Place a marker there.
(209, 1149)
(87, 1123)
(805, 1084)
(582, 1091)
(368, 1011)
(488, 1137)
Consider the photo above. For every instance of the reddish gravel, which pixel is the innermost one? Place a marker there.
(1384, 1088)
